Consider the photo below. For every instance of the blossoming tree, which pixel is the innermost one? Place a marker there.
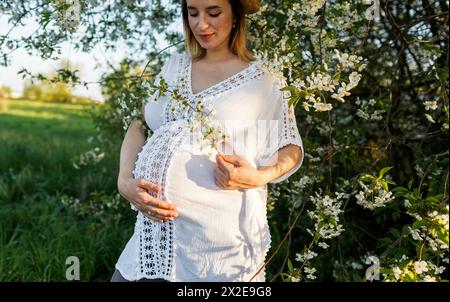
(369, 81)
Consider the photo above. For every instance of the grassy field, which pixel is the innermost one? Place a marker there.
(38, 143)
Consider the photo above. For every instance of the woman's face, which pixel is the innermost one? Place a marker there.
(210, 21)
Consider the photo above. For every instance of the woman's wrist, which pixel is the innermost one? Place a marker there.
(267, 173)
(125, 175)
(122, 179)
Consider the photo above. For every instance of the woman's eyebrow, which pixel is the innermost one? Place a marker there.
(209, 7)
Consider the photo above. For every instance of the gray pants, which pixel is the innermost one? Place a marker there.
(117, 277)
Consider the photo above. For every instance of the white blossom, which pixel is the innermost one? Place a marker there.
(68, 14)
(327, 209)
(429, 278)
(430, 105)
(397, 272)
(308, 255)
(347, 61)
(372, 198)
(323, 245)
(310, 272)
(322, 106)
(420, 267)
(311, 8)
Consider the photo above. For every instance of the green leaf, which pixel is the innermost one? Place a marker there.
(384, 170)
(442, 73)
(419, 223)
(410, 183)
(367, 176)
(433, 199)
(384, 185)
(400, 191)
(290, 266)
(292, 89)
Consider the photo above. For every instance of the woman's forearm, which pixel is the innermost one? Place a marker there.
(288, 157)
(131, 146)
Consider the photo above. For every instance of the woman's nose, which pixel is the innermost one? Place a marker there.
(203, 22)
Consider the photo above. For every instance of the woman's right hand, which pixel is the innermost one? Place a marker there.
(136, 192)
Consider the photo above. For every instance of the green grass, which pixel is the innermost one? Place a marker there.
(38, 142)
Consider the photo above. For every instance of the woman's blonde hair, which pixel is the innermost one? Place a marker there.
(238, 38)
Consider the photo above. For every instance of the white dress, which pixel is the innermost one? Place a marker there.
(220, 235)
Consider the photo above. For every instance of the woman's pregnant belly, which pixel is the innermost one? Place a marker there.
(211, 233)
(217, 232)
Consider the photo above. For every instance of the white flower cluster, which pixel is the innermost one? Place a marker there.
(321, 81)
(347, 17)
(68, 14)
(90, 157)
(308, 11)
(323, 245)
(344, 90)
(305, 256)
(97, 205)
(430, 234)
(69, 201)
(430, 105)
(419, 170)
(420, 267)
(310, 272)
(275, 66)
(318, 81)
(366, 110)
(326, 215)
(425, 271)
(302, 18)
(441, 219)
(206, 127)
(310, 8)
(301, 184)
(348, 62)
(374, 197)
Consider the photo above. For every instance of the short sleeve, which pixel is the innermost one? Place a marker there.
(281, 130)
(154, 105)
(170, 68)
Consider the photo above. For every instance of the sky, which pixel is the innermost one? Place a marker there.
(92, 64)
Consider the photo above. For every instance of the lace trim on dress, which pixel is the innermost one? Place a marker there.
(236, 80)
(155, 238)
(289, 133)
(173, 111)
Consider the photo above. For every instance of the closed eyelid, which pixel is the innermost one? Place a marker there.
(213, 10)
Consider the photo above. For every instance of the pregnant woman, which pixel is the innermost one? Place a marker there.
(201, 216)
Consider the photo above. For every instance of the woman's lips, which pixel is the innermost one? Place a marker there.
(206, 37)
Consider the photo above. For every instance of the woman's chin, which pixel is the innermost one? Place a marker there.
(209, 46)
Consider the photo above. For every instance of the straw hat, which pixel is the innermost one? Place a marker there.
(250, 6)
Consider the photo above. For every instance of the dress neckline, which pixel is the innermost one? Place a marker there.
(214, 86)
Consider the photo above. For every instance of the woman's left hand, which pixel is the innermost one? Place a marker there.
(233, 173)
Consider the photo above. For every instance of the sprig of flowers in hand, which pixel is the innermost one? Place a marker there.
(199, 115)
